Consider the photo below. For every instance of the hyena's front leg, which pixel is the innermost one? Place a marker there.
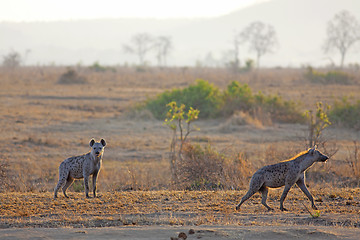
(86, 184)
(94, 183)
(301, 184)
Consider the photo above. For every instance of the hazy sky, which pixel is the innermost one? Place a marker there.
(47, 10)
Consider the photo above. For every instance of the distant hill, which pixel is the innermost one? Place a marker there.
(300, 26)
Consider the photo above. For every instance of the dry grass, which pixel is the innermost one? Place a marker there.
(44, 122)
(338, 207)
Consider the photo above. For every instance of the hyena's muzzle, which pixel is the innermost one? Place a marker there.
(323, 158)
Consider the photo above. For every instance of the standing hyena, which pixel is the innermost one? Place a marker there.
(284, 173)
(81, 167)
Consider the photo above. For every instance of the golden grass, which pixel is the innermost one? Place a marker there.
(336, 207)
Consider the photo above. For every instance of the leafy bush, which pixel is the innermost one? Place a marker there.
(99, 68)
(331, 77)
(240, 98)
(202, 95)
(279, 109)
(345, 114)
(237, 97)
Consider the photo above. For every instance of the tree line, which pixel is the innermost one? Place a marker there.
(343, 32)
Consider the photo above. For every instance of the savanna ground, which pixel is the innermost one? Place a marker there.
(44, 122)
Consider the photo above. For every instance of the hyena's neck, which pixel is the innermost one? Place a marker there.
(305, 162)
(96, 159)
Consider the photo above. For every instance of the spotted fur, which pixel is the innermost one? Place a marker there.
(83, 166)
(286, 174)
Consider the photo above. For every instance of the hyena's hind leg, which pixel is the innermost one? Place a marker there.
(62, 181)
(255, 185)
(69, 181)
(264, 193)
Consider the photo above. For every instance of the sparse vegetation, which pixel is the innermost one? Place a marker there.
(330, 77)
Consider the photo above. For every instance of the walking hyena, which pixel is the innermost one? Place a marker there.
(284, 173)
(81, 167)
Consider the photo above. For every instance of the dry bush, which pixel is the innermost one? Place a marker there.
(274, 154)
(241, 119)
(205, 168)
(135, 175)
(71, 77)
(353, 160)
(3, 175)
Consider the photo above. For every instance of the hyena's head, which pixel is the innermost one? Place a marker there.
(97, 148)
(317, 155)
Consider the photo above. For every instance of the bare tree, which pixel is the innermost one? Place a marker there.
(343, 31)
(163, 46)
(140, 45)
(261, 38)
(231, 57)
(12, 60)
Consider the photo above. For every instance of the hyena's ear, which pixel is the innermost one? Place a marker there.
(102, 141)
(312, 150)
(92, 142)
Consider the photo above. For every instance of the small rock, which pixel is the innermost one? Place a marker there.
(182, 235)
(191, 231)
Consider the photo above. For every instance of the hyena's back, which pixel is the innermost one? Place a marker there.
(73, 167)
(273, 176)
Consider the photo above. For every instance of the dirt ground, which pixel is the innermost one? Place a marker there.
(163, 214)
(201, 232)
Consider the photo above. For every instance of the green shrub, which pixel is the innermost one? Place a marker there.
(345, 114)
(331, 77)
(279, 109)
(337, 77)
(202, 95)
(99, 68)
(237, 97)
